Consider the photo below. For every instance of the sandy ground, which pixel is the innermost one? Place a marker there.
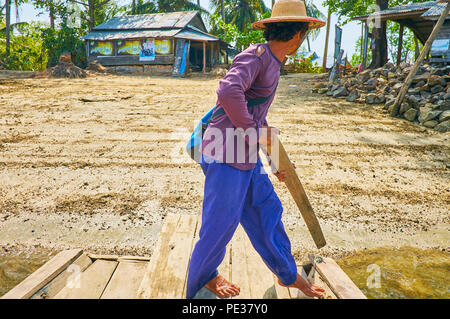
(97, 163)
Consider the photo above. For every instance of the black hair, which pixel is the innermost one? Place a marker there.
(283, 31)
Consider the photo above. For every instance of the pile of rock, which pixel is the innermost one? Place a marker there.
(427, 101)
(64, 69)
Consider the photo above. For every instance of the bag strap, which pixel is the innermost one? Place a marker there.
(250, 103)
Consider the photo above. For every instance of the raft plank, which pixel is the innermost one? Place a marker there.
(239, 272)
(92, 281)
(161, 247)
(168, 268)
(282, 292)
(55, 286)
(259, 275)
(338, 281)
(125, 281)
(315, 278)
(43, 275)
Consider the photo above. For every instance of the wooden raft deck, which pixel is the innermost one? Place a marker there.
(74, 274)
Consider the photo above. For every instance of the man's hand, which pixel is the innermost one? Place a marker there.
(282, 174)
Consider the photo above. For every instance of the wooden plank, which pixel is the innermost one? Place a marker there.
(282, 292)
(53, 287)
(92, 281)
(43, 275)
(168, 267)
(170, 223)
(338, 281)
(133, 258)
(259, 275)
(104, 257)
(239, 272)
(315, 278)
(131, 60)
(124, 283)
(282, 162)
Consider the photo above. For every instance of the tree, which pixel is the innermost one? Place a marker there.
(347, 9)
(314, 12)
(239, 12)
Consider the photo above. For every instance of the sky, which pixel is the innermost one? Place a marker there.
(350, 32)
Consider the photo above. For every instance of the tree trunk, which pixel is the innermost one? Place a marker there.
(380, 52)
(51, 16)
(309, 45)
(400, 45)
(91, 9)
(416, 48)
(133, 7)
(327, 36)
(222, 10)
(7, 29)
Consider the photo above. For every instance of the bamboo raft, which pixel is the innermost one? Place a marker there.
(75, 274)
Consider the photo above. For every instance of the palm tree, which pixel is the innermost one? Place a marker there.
(314, 12)
(239, 12)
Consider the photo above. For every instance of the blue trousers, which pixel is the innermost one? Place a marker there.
(233, 196)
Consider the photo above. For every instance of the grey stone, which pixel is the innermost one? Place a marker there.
(341, 91)
(371, 98)
(444, 116)
(443, 127)
(322, 91)
(436, 89)
(353, 96)
(434, 80)
(427, 114)
(410, 115)
(404, 107)
(430, 124)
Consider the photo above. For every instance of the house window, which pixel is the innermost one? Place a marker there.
(101, 48)
(128, 47)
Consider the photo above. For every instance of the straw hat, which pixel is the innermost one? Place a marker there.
(289, 11)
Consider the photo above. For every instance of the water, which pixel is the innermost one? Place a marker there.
(403, 273)
(15, 266)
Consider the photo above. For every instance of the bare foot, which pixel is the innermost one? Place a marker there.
(305, 287)
(222, 287)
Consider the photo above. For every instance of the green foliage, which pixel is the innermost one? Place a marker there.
(300, 64)
(230, 33)
(64, 38)
(26, 48)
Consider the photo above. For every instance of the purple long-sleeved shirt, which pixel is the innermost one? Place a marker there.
(250, 76)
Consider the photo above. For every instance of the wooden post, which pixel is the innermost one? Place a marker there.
(365, 40)
(426, 48)
(204, 56)
(281, 161)
(8, 27)
(400, 45)
(416, 48)
(325, 51)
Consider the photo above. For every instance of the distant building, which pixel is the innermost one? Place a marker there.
(420, 18)
(161, 42)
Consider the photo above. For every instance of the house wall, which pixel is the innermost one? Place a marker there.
(120, 52)
(443, 34)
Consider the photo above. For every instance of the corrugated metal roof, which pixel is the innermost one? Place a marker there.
(195, 35)
(404, 9)
(129, 34)
(435, 11)
(148, 21)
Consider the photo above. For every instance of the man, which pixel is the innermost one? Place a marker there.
(237, 190)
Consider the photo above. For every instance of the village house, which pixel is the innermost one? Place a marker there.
(420, 18)
(174, 42)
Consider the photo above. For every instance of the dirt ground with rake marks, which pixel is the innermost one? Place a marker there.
(98, 162)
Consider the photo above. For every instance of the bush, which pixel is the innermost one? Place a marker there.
(300, 64)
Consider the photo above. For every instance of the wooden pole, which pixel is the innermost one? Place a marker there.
(8, 27)
(325, 51)
(426, 48)
(365, 40)
(282, 162)
(204, 56)
(416, 48)
(400, 45)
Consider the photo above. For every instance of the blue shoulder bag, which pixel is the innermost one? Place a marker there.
(195, 142)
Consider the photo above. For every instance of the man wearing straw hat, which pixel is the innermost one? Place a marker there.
(237, 190)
